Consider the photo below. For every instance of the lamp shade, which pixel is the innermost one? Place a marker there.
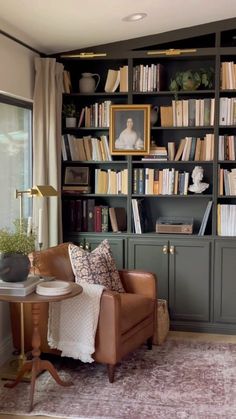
(43, 191)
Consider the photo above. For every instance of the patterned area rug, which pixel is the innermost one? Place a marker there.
(179, 379)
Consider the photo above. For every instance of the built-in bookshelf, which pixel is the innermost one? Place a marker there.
(188, 79)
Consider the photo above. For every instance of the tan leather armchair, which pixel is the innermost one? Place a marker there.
(126, 320)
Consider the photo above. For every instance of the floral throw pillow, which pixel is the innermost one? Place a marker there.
(96, 267)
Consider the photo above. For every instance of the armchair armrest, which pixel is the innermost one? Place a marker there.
(139, 282)
(109, 328)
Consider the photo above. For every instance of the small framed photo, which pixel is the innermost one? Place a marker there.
(129, 129)
(76, 175)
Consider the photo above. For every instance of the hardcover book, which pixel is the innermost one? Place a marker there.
(118, 219)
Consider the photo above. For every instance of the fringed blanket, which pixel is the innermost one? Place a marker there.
(73, 323)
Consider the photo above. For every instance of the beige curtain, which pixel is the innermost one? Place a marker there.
(47, 146)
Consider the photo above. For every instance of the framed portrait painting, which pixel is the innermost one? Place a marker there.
(76, 175)
(129, 129)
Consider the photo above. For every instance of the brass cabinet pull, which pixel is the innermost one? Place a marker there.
(87, 246)
(165, 250)
(172, 250)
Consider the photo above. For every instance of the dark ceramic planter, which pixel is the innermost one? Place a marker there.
(14, 267)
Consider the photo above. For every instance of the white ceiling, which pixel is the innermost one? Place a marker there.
(61, 25)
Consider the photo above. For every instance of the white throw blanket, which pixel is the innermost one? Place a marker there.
(72, 323)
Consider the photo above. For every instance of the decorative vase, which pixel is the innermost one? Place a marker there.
(70, 122)
(87, 83)
(154, 115)
(14, 267)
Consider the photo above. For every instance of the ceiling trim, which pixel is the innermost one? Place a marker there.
(18, 41)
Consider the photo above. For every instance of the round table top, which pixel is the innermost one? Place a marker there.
(36, 298)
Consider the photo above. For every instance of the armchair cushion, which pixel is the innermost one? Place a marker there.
(96, 267)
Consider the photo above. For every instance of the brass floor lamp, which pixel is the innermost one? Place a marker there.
(40, 191)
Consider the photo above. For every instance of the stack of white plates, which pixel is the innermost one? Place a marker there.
(53, 288)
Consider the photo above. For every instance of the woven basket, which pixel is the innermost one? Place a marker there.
(162, 322)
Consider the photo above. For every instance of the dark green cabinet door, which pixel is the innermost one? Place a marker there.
(149, 255)
(189, 280)
(225, 282)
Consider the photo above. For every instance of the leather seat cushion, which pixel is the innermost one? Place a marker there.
(134, 309)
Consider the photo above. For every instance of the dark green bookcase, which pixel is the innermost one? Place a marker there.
(189, 268)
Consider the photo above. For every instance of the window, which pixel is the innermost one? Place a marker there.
(15, 157)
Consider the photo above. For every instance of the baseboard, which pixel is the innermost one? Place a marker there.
(201, 327)
(6, 349)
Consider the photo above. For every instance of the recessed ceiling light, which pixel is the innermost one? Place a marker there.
(134, 17)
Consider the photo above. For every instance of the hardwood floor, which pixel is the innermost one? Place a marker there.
(174, 335)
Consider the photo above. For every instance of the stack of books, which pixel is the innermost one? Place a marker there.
(22, 288)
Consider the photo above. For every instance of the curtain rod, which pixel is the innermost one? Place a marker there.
(21, 42)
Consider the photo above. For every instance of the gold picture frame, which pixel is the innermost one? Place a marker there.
(129, 132)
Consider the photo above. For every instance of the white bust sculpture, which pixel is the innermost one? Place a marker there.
(197, 176)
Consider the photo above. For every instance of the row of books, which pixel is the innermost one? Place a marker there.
(227, 182)
(84, 215)
(148, 78)
(86, 148)
(117, 78)
(150, 181)
(228, 75)
(196, 149)
(226, 220)
(188, 113)
(189, 149)
(97, 115)
(227, 111)
(111, 181)
(227, 147)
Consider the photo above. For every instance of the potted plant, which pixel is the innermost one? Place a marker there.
(70, 114)
(14, 249)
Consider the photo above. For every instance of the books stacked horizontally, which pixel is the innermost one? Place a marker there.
(156, 153)
(22, 288)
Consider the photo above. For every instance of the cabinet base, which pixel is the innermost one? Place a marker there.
(220, 328)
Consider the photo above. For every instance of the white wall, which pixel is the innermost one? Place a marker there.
(17, 79)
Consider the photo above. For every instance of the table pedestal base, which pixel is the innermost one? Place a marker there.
(36, 365)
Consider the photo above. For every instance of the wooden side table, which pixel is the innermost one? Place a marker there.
(37, 365)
